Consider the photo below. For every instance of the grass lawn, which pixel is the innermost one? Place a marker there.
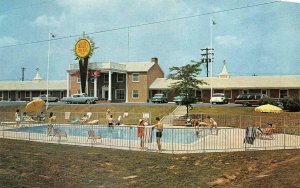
(32, 164)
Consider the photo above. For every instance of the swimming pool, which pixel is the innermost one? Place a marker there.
(170, 135)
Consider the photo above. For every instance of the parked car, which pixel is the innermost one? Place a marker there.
(219, 98)
(249, 99)
(159, 98)
(80, 99)
(44, 97)
(182, 99)
(179, 98)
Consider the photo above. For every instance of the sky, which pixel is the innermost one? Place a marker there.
(257, 37)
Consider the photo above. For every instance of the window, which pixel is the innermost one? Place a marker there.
(27, 94)
(105, 78)
(91, 92)
(135, 77)
(135, 94)
(264, 92)
(282, 93)
(18, 95)
(120, 94)
(1, 95)
(228, 93)
(120, 78)
(93, 80)
(78, 80)
(62, 94)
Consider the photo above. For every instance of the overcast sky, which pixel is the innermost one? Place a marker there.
(260, 37)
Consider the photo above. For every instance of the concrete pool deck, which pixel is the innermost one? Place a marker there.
(228, 140)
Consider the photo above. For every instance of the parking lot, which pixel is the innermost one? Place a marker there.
(20, 103)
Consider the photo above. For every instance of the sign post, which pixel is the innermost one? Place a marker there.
(83, 50)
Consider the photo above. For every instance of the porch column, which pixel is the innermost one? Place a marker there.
(95, 86)
(109, 85)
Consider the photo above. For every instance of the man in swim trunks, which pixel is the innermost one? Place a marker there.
(159, 129)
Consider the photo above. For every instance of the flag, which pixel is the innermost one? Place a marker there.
(52, 35)
(213, 22)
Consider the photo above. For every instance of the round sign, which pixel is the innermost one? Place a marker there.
(83, 48)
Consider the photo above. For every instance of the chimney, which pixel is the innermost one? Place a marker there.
(154, 60)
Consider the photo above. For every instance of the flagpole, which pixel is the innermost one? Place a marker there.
(48, 67)
(211, 63)
(49, 43)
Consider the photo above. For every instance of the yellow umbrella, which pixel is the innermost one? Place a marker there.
(35, 105)
(268, 108)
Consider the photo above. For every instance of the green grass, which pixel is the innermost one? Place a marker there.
(33, 164)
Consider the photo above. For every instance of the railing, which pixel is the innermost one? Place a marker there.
(174, 139)
(98, 65)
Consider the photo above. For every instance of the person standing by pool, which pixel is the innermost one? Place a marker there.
(18, 117)
(51, 119)
(140, 132)
(159, 129)
(110, 121)
(213, 124)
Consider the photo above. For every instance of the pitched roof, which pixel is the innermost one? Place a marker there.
(139, 66)
(239, 82)
(33, 85)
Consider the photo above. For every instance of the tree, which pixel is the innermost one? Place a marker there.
(185, 78)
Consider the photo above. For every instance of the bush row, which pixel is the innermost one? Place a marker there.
(292, 104)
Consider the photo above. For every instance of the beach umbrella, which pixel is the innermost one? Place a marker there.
(35, 105)
(268, 108)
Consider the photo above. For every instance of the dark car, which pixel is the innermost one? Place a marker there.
(249, 99)
(159, 98)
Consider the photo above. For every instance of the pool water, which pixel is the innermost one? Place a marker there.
(180, 136)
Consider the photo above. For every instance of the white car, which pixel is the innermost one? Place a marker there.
(219, 98)
(44, 97)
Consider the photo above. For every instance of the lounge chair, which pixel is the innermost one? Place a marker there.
(58, 133)
(92, 135)
(71, 120)
(93, 122)
(86, 117)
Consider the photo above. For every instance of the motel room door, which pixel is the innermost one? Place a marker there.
(105, 92)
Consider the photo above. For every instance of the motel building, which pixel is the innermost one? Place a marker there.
(276, 87)
(132, 82)
(26, 90)
(117, 82)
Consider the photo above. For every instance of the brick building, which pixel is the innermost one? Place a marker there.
(276, 87)
(116, 82)
(25, 90)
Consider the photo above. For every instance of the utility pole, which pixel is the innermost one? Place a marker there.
(23, 70)
(207, 57)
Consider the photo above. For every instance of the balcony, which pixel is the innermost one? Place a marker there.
(101, 66)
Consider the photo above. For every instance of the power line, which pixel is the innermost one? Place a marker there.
(145, 24)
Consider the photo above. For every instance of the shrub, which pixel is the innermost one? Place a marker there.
(267, 100)
(189, 100)
(291, 104)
